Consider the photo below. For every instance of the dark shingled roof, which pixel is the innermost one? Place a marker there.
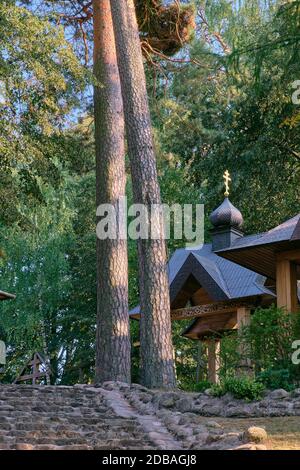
(289, 230)
(221, 279)
(259, 251)
(296, 232)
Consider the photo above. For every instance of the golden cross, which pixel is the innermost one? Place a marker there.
(227, 179)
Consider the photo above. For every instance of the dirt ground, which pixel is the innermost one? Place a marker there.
(284, 433)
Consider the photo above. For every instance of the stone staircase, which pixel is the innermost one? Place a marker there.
(65, 418)
(114, 416)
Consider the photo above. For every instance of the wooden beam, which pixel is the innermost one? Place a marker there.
(243, 315)
(213, 351)
(210, 309)
(291, 255)
(209, 325)
(33, 377)
(286, 285)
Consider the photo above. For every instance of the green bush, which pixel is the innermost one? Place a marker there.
(269, 338)
(243, 388)
(229, 354)
(273, 379)
(267, 342)
(218, 390)
(202, 386)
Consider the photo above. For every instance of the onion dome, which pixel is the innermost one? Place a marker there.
(226, 215)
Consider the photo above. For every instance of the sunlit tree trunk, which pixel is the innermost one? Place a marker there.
(157, 364)
(113, 341)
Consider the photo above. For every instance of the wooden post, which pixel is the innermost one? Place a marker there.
(243, 317)
(213, 350)
(286, 285)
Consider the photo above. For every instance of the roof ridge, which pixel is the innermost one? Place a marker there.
(296, 232)
(216, 266)
(262, 287)
(278, 227)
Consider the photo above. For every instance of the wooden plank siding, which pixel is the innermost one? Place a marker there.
(286, 285)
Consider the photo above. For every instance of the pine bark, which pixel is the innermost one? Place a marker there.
(113, 337)
(157, 363)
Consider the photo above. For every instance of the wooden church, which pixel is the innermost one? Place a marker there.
(218, 285)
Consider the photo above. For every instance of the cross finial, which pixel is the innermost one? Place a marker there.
(227, 180)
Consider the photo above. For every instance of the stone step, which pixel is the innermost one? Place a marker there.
(25, 446)
(5, 446)
(59, 414)
(63, 418)
(43, 440)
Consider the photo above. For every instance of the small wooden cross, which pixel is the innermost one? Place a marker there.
(227, 179)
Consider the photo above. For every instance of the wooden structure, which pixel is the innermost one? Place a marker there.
(215, 318)
(276, 255)
(35, 370)
(219, 284)
(217, 294)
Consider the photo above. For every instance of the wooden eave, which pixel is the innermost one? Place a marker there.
(211, 325)
(260, 258)
(216, 318)
(216, 308)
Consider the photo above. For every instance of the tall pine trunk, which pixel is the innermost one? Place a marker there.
(157, 364)
(113, 337)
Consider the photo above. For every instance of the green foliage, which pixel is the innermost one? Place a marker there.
(217, 390)
(186, 353)
(202, 386)
(231, 110)
(36, 270)
(51, 268)
(280, 38)
(40, 82)
(243, 388)
(276, 378)
(267, 342)
(230, 356)
(217, 116)
(270, 336)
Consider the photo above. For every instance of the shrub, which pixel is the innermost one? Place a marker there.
(273, 379)
(270, 336)
(243, 388)
(218, 390)
(229, 354)
(202, 386)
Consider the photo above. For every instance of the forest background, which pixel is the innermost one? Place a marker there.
(222, 100)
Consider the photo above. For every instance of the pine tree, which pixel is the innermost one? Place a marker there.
(113, 342)
(157, 364)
